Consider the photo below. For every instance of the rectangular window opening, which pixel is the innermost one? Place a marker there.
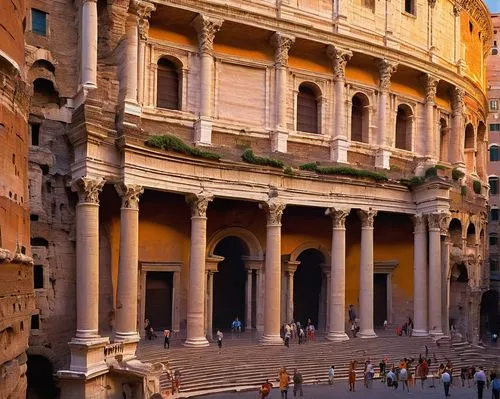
(35, 134)
(35, 322)
(38, 276)
(39, 22)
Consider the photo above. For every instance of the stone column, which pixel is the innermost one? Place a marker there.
(432, 139)
(281, 44)
(366, 274)
(289, 269)
(457, 134)
(206, 28)
(144, 11)
(274, 210)
(196, 293)
(327, 271)
(420, 285)
(340, 143)
(446, 245)
(176, 319)
(127, 287)
(89, 44)
(248, 300)
(435, 312)
(337, 278)
(211, 267)
(131, 32)
(386, 69)
(259, 303)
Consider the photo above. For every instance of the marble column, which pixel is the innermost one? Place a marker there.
(248, 300)
(432, 139)
(289, 268)
(340, 143)
(281, 44)
(457, 132)
(420, 284)
(127, 287)
(259, 303)
(211, 267)
(89, 44)
(337, 277)
(327, 274)
(446, 245)
(274, 210)
(206, 28)
(176, 319)
(366, 274)
(386, 69)
(132, 41)
(435, 311)
(196, 293)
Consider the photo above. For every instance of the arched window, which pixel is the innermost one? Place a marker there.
(493, 153)
(167, 85)
(44, 93)
(469, 148)
(469, 136)
(443, 140)
(359, 118)
(493, 182)
(403, 127)
(307, 110)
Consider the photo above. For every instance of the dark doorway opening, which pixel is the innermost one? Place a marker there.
(41, 383)
(307, 287)
(229, 284)
(159, 287)
(379, 299)
(490, 313)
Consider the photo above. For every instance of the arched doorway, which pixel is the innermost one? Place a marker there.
(40, 378)
(490, 313)
(307, 287)
(229, 283)
(458, 294)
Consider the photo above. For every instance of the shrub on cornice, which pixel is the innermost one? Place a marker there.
(288, 171)
(457, 174)
(172, 143)
(476, 185)
(431, 172)
(250, 157)
(440, 167)
(343, 170)
(415, 181)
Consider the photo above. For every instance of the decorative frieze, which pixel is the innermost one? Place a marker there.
(129, 194)
(199, 203)
(367, 217)
(386, 68)
(281, 44)
(340, 57)
(88, 189)
(274, 210)
(338, 217)
(206, 27)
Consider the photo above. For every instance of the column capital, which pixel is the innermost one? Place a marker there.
(432, 3)
(129, 193)
(367, 217)
(419, 222)
(338, 216)
(88, 189)
(281, 44)
(444, 223)
(340, 57)
(143, 10)
(199, 203)
(206, 27)
(386, 69)
(439, 222)
(431, 83)
(457, 99)
(88, 1)
(274, 210)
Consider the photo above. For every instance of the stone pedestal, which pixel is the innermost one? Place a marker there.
(339, 148)
(279, 141)
(383, 158)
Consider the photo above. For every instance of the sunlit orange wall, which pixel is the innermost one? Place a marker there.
(474, 48)
(180, 37)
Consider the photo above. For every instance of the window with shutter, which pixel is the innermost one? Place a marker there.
(168, 85)
(39, 22)
(307, 110)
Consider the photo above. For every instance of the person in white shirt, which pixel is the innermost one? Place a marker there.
(446, 378)
(480, 379)
(219, 339)
(403, 378)
(391, 379)
(331, 375)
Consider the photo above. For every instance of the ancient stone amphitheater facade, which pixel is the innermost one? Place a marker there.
(263, 159)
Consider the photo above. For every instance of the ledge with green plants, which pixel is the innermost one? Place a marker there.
(344, 171)
(249, 157)
(175, 144)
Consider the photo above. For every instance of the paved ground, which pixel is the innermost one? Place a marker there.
(378, 391)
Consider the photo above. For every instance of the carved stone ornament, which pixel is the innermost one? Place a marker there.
(436, 220)
(274, 210)
(338, 217)
(199, 203)
(129, 194)
(367, 217)
(206, 28)
(386, 68)
(88, 189)
(419, 222)
(458, 103)
(340, 57)
(431, 83)
(281, 44)
(144, 10)
(444, 223)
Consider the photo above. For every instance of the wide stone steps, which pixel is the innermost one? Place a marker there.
(245, 363)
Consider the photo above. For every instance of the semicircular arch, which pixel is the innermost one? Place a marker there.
(310, 245)
(251, 242)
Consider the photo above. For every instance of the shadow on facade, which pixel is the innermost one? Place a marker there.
(41, 383)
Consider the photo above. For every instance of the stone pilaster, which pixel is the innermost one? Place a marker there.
(281, 44)
(366, 274)
(206, 27)
(340, 144)
(420, 284)
(431, 83)
(144, 10)
(274, 210)
(336, 309)
(126, 301)
(289, 268)
(435, 310)
(196, 290)
(88, 67)
(458, 135)
(211, 267)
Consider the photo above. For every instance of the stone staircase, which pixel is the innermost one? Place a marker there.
(245, 364)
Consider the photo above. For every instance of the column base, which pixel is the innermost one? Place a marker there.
(129, 343)
(88, 359)
(338, 152)
(436, 333)
(337, 336)
(383, 159)
(196, 342)
(420, 333)
(367, 334)
(271, 340)
(203, 132)
(279, 141)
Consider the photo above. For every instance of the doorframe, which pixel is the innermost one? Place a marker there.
(387, 267)
(144, 268)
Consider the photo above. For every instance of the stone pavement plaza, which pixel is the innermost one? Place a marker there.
(378, 391)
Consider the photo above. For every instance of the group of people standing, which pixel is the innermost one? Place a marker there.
(296, 331)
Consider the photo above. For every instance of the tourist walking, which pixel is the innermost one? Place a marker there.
(352, 375)
(495, 385)
(391, 379)
(166, 341)
(297, 383)
(446, 378)
(219, 339)
(403, 378)
(352, 314)
(148, 328)
(301, 335)
(422, 371)
(265, 390)
(284, 381)
(287, 337)
(331, 375)
(236, 325)
(480, 379)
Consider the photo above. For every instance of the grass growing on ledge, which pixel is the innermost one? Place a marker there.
(172, 143)
(343, 170)
(476, 186)
(457, 174)
(250, 157)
